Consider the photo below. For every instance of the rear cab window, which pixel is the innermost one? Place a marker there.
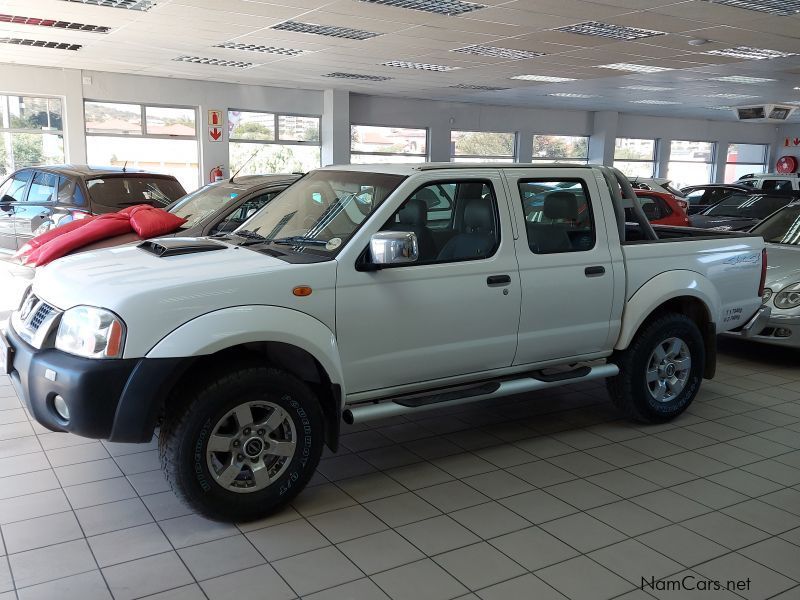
(113, 193)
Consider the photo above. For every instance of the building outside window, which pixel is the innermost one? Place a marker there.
(635, 157)
(31, 132)
(690, 163)
(561, 149)
(373, 144)
(262, 143)
(744, 159)
(482, 146)
(162, 139)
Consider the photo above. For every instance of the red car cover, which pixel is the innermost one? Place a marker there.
(146, 220)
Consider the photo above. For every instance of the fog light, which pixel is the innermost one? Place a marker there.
(782, 332)
(61, 407)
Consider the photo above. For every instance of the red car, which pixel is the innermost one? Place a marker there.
(663, 209)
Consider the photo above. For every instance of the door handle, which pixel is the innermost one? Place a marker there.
(594, 271)
(498, 280)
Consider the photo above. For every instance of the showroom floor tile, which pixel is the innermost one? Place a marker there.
(546, 497)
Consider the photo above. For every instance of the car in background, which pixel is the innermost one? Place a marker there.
(701, 197)
(215, 208)
(662, 209)
(781, 232)
(37, 199)
(656, 184)
(741, 211)
(779, 182)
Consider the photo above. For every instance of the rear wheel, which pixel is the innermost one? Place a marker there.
(241, 445)
(661, 370)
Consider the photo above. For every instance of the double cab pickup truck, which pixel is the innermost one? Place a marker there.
(372, 291)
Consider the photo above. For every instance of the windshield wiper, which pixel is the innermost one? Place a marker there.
(249, 235)
(299, 239)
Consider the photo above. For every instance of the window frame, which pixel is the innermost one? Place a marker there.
(764, 165)
(712, 161)
(277, 141)
(22, 130)
(587, 196)
(559, 159)
(362, 262)
(143, 122)
(512, 158)
(653, 161)
(425, 156)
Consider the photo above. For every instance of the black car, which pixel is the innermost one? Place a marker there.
(36, 199)
(701, 197)
(217, 207)
(741, 211)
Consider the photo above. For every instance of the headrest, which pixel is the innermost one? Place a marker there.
(428, 196)
(414, 212)
(478, 216)
(561, 205)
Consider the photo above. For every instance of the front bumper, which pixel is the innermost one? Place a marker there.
(113, 399)
(777, 329)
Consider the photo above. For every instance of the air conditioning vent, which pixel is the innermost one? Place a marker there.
(764, 113)
(450, 8)
(772, 7)
(142, 5)
(358, 76)
(607, 30)
(402, 64)
(748, 53)
(216, 62)
(39, 43)
(496, 52)
(52, 23)
(261, 48)
(326, 30)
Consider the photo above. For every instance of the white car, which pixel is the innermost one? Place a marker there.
(365, 292)
(780, 182)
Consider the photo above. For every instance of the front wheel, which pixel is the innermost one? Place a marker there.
(661, 370)
(239, 446)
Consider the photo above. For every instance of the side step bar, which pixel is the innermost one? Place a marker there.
(464, 394)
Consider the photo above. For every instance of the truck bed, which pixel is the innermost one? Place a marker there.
(670, 233)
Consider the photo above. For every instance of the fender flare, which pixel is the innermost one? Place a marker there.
(658, 290)
(227, 327)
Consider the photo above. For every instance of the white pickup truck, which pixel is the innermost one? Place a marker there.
(363, 292)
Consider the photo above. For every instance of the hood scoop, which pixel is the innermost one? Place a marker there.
(164, 247)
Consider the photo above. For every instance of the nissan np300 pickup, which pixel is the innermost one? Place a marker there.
(364, 292)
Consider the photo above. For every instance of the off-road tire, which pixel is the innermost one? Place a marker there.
(193, 413)
(629, 390)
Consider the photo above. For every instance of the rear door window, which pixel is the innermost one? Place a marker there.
(776, 185)
(43, 188)
(558, 216)
(109, 194)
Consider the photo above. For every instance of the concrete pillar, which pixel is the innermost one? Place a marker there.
(335, 127)
(524, 146)
(603, 138)
(662, 157)
(721, 149)
(439, 139)
(213, 153)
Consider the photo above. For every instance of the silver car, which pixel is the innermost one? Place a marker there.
(781, 231)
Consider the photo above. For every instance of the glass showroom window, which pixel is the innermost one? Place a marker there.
(370, 144)
(744, 159)
(561, 149)
(162, 139)
(635, 157)
(690, 163)
(482, 146)
(30, 132)
(263, 143)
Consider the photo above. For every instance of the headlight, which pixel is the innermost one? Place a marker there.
(789, 297)
(766, 295)
(91, 332)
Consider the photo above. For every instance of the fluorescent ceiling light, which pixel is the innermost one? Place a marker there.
(326, 30)
(742, 79)
(633, 68)
(496, 52)
(654, 102)
(482, 88)
(748, 53)
(52, 23)
(773, 7)
(732, 96)
(126, 4)
(339, 75)
(260, 48)
(216, 62)
(571, 95)
(608, 30)
(544, 78)
(39, 43)
(439, 7)
(402, 64)
(647, 88)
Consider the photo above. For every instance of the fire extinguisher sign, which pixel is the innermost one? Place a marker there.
(215, 125)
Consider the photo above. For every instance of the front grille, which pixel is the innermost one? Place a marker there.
(35, 319)
(39, 317)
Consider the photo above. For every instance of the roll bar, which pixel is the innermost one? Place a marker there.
(623, 197)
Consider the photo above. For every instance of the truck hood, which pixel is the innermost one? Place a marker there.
(783, 266)
(722, 223)
(156, 294)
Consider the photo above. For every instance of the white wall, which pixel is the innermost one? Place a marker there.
(338, 109)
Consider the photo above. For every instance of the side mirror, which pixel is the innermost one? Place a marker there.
(393, 247)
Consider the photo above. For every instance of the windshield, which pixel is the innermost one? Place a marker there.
(198, 205)
(109, 194)
(324, 208)
(748, 206)
(782, 228)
